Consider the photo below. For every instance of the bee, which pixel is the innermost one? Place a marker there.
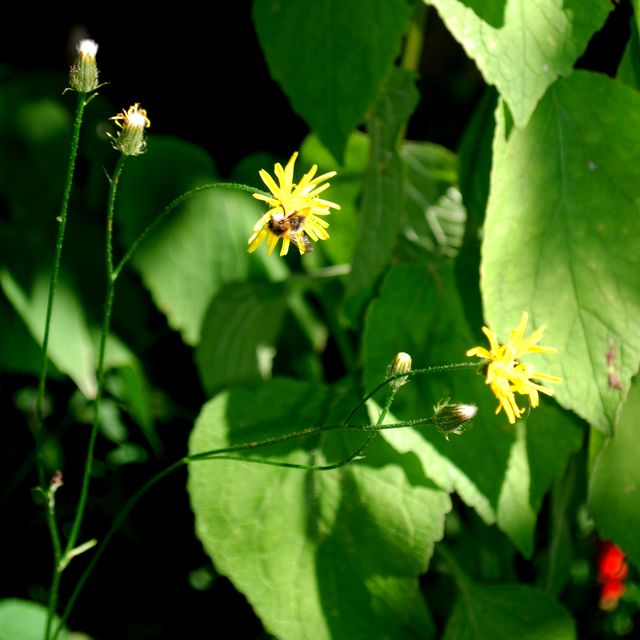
(292, 227)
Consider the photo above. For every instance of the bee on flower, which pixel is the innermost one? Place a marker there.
(506, 375)
(295, 210)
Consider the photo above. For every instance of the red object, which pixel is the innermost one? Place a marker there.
(612, 570)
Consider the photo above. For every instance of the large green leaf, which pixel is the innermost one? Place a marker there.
(504, 612)
(562, 239)
(419, 312)
(331, 57)
(200, 246)
(238, 334)
(539, 41)
(614, 490)
(383, 191)
(324, 554)
(24, 620)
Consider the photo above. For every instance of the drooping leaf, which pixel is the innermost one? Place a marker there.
(504, 612)
(25, 620)
(383, 191)
(238, 335)
(70, 344)
(539, 41)
(614, 488)
(331, 58)
(562, 236)
(200, 246)
(322, 554)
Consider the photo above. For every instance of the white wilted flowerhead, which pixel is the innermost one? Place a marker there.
(453, 418)
(83, 75)
(400, 364)
(130, 139)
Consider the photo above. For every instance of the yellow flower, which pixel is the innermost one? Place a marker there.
(130, 139)
(506, 375)
(294, 210)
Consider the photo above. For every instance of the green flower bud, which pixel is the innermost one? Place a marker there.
(130, 139)
(453, 418)
(83, 75)
(400, 364)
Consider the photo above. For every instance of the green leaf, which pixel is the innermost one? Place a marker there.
(200, 246)
(629, 68)
(562, 239)
(490, 11)
(419, 312)
(24, 620)
(614, 489)
(325, 554)
(238, 335)
(331, 58)
(504, 612)
(383, 191)
(70, 344)
(539, 41)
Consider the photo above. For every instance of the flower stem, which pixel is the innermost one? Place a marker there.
(39, 427)
(62, 223)
(86, 479)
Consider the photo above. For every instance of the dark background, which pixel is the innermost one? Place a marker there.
(203, 79)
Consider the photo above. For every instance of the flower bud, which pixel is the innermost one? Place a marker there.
(453, 418)
(400, 364)
(130, 139)
(84, 71)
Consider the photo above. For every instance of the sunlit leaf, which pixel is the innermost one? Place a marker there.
(200, 246)
(324, 554)
(331, 58)
(24, 620)
(562, 239)
(539, 41)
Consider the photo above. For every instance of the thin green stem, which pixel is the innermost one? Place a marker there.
(39, 428)
(169, 208)
(62, 224)
(86, 479)
(410, 374)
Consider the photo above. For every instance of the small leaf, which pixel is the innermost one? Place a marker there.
(25, 620)
(539, 41)
(331, 58)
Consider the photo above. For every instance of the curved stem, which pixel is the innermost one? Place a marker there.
(169, 208)
(415, 372)
(62, 224)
